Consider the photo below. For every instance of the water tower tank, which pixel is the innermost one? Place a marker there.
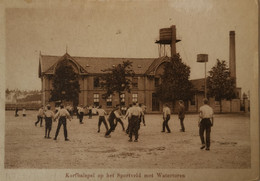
(166, 34)
(202, 58)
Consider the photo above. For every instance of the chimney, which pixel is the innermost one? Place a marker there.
(232, 55)
(173, 41)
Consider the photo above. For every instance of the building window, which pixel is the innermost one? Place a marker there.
(193, 100)
(155, 102)
(156, 81)
(122, 97)
(96, 82)
(238, 96)
(96, 99)
(109, 101)
(135, 82)
(135, 98)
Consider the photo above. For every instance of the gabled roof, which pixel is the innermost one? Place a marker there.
(93, 65)
(66, 56)
(155, 64)
(46, 61)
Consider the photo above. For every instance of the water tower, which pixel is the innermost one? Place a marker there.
(167, 38)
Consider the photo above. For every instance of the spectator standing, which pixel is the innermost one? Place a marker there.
(16, 112)
(181, 115)
(24, 112)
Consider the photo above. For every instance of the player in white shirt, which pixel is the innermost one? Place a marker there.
(101, 119)
(81, 113)
(111, 118)
(134, 124)
(141, 118)
(62, 115)
(127, 116)
(40, 116)
(49, 116)
(166, 118)
(205, 123)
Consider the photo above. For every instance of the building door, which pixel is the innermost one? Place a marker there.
(155, 103)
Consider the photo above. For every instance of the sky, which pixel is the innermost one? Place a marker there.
(127, 29)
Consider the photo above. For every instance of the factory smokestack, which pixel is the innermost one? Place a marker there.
(232, 55)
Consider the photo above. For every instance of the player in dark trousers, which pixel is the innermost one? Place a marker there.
(49, 116)
(205, 124)
(62, 115)
(166, 118)
(127, 116)
(70, 110)
(40, 116)
(101, 119)
(90, 112)
(112, 116)
(141, 117)
(181, 115)
(143, 110)
(77, 111)
(16, 112)
(119, 120)
(81, 113)
(134, 123)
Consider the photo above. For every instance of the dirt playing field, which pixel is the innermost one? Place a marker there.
(25, 146)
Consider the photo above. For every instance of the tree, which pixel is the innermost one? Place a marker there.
(7, 91)
(175, 84)
(220, 84)
(65, 84)
(117, 79)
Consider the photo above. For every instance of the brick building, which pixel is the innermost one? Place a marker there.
(147, 70)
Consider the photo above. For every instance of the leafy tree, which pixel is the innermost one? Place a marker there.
(220, 84)
(65, 84)
(117, 79)
(175, 84)
(7, 91)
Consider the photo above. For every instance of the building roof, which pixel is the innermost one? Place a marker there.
(46, 61)
(96, 64)
(199, 84)
(155, 64)
(93, 65)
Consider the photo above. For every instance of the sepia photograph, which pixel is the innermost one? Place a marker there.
(129, 90)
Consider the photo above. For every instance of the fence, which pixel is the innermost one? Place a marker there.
(27, 106)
